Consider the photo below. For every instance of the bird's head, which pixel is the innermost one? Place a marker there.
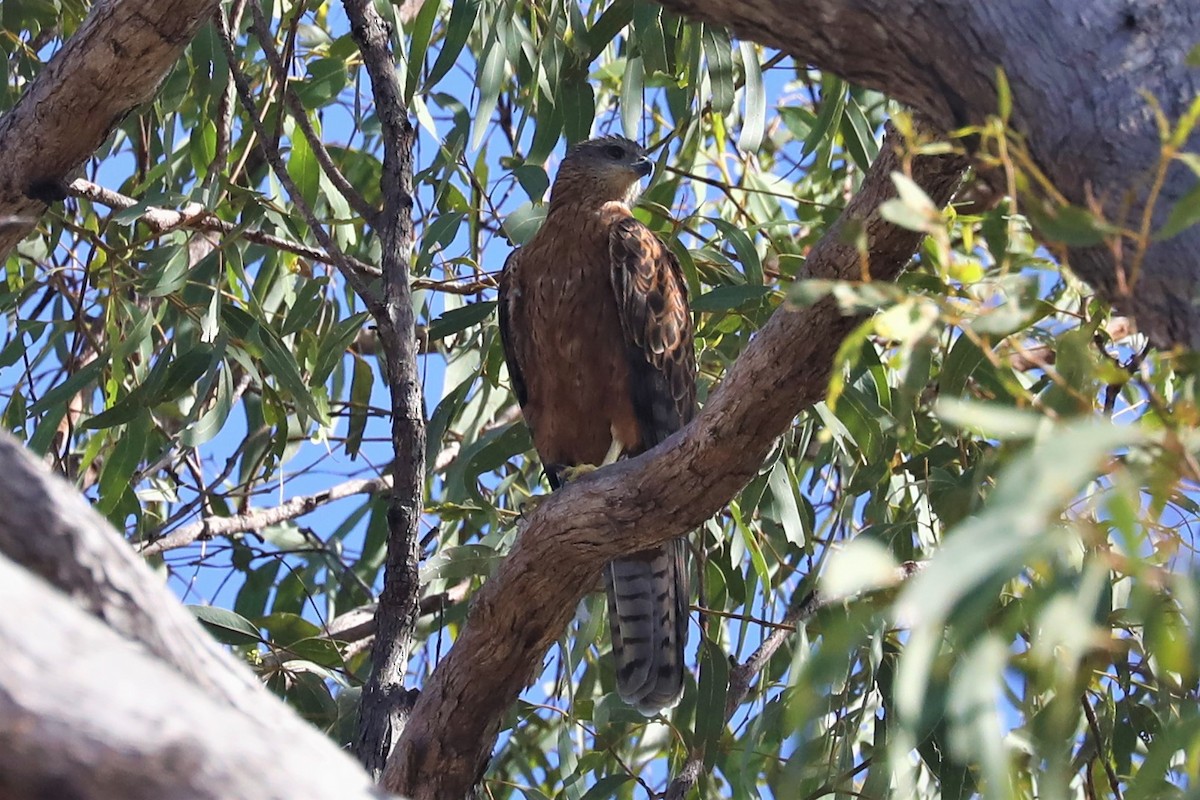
(603, 170)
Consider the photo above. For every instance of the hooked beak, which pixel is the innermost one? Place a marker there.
(643, 167)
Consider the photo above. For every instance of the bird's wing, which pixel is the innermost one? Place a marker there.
(647, 592)
(652, 302)
(509, 336)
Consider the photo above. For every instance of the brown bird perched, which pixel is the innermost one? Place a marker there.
(598, 336)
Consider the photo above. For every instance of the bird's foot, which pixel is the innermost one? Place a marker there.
(577, 471)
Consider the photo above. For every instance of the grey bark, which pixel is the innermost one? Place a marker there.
(385, 703)
(88, 715)
(1076, 68)
(110, 688)
(111, 65)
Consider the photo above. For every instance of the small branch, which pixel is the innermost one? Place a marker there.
(300, 115)
(196, 217)
(356, 280)
(261, 518)
(1094, 726)
(742, 675)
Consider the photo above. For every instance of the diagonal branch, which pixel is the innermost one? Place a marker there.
(522, 610)
(112, 64)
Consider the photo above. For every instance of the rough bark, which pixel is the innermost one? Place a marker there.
(385, 703)
(1077, 70)
(88, 715)
(524, 607)
(112, 64)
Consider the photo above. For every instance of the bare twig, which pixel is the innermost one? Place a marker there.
(1094, 726)
(261, 518)
(263, 30)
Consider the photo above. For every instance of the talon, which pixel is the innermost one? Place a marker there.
(576, 472)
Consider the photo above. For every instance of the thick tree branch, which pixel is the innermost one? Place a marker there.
(89, 715)
(524, 607)
(1079, 73)
(60, 721)
(111, 65)
(385, 703)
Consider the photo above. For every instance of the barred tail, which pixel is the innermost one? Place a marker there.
(648, 616)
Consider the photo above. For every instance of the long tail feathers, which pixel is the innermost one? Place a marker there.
(648, 616)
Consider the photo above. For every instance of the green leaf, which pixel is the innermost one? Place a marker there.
(462, 19)
(857, 134)
(437, 238)
(784, 495)
(727, 298)
(418, 44)
(833, 104)
(226, 626)
(326, 78)
(718, 53)
(455, 563)
(754, 119)
(744, 247)
(361, 385)
(122, 462)
(710, 699)
(303, 167)
(73, 385)
(632, 88)
(459, 319)
(607, 787)
(490, 79)
(1184, 214)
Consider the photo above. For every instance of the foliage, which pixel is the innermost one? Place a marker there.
(993, 418)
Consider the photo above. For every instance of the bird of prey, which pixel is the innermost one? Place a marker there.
(598, 338)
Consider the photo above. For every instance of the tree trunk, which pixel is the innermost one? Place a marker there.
(1078, 70)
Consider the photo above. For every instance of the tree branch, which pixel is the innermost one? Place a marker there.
(111, 65)
(385, 705)
(89, 715)
(1100, 149)
(522, 610)
(260, 518)
(265, 37)
(196, 217)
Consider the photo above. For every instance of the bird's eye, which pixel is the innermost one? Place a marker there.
(614, 151)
